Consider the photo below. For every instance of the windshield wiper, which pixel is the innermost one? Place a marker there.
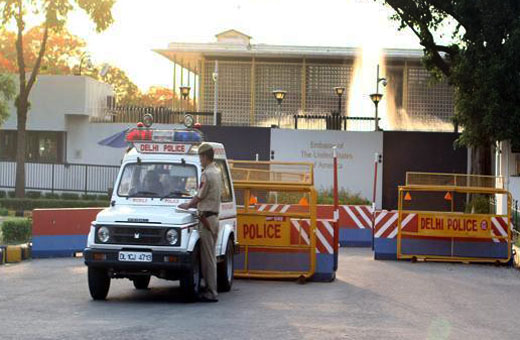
(176, 193)
(144, 194)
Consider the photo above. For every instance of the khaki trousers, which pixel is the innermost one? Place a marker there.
(208, 259)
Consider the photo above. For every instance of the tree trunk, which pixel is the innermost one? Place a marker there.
(481, 160)
(22, 109)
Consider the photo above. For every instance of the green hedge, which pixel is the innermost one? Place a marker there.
(16, 230)
(69, 196)
(3, 211)
(55, 196)
(30, 204)
(345, 197)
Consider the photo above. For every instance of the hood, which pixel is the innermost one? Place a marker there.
(143, 214)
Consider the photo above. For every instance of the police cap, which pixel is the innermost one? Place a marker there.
(204, 147)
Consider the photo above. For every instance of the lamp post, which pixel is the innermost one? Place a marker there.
(185, 92)
(376, 97)
(279, 95)
(339, 92)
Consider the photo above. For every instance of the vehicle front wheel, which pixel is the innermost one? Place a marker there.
(225, 269)
(190, 282)
(141, 282)
(98, 283)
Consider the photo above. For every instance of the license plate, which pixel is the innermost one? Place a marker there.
(134, 256)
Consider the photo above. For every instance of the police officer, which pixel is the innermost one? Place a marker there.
(207, 202)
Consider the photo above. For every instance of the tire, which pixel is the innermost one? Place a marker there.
(190, 282)
(98, 283)
(141, 282)
(225, 269)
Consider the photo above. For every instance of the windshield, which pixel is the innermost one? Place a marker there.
(163, 180)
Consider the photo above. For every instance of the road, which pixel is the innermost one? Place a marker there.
(49, 299)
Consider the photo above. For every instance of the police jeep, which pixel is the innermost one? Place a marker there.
(143, 233)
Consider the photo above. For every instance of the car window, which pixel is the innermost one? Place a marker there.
(158, 180)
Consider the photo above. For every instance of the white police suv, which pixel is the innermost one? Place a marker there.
(143, 233)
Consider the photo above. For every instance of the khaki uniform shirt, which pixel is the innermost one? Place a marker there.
(210, 188)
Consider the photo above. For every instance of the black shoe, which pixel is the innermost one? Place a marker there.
(207, 299)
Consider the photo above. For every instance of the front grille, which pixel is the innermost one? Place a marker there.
(145, 235)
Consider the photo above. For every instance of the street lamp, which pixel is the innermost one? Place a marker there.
(185, 92)
(279, 95)
(376, 97)
(339, 92)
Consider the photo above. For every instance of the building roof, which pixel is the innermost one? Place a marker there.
(233, 33)
(188, 55)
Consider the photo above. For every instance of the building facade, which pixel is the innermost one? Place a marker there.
(248, 73)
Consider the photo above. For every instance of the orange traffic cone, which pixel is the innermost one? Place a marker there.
(407, 197)
(253, 200)
(448, 197)
(303, 201)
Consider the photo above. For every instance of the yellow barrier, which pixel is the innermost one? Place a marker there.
(13, 254)
(272, 246)
(419, 226)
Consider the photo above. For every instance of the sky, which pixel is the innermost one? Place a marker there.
(142, 25)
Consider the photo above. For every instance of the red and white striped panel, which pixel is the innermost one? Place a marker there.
(386, 223)
(499, 227)
(300, 234)
(350, 216)
(278, 208)
(355, 216)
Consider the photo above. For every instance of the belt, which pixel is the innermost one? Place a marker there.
(208, 213)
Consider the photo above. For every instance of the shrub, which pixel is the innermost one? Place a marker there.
(69, 196)
(2, 194)
(51, 195)
(88, 197)
(103, 198)
(345, 197)
(10, 194)
(324, 197)
(479, 204)
(30, 204)
(33, 194)
(3, 211)
(17, 230)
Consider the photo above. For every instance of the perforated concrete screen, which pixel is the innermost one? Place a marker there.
(245, 93)
(321, 79)
(428, 101)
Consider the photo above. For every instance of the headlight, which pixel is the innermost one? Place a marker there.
(172, 236)
(103, 234)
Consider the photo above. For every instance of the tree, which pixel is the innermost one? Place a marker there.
(159, 96)
(7, 91)
(54, 14)
(63, 50)
(126, 92)
(481, 61)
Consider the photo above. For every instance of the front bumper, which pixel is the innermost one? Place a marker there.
(161, 260)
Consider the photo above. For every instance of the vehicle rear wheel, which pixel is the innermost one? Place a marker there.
(190, 282)
(225, 269)
(141, 282)
(98, 283)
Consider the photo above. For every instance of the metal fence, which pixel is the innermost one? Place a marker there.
(84, 178)
(334, 122)
(162, 115)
